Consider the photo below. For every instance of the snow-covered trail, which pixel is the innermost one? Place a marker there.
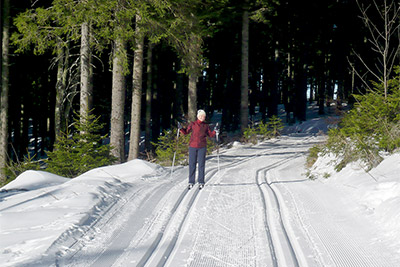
(258, 210)
(327, 224)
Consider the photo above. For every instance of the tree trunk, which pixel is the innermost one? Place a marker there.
(117, 137)
(136, 94)
(149, 96)
(61, 87)
(155, 110)
(86, 88)
(301, 91)
(192, 96)
(4, 90)
(244, 100)
(178, 102)
(194, 65)
(321, 90)
(274, 96)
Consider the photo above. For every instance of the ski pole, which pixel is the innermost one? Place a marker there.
(217, 132)
(176, 147)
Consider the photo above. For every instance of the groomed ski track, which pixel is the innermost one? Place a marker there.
(251, 213)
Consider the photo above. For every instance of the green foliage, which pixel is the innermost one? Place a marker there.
(167, 145)
(313, 155)
(263, 130)
(275, 125)
(326, 175)
(80, 149)
(370, 127)
(13, 169)
(250, 135)
(310, 175)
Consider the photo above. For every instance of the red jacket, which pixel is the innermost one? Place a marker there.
(200, 131)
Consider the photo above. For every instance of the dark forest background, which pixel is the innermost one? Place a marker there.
(298, 52)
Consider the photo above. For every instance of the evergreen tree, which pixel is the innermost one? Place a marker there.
(80, 149)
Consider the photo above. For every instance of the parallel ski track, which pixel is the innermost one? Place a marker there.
(178, 206)
(266, 190)
(331, 235)
(261, 180)
(77, 243)
(93, 225)
(154, 251)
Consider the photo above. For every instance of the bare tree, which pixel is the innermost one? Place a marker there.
(383, 35)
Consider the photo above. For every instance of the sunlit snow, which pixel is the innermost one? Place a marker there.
(110, 216)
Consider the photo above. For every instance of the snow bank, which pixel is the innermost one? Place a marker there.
(377, 191)
(384, 195)
(46, 206)
(31, 180)
(127, 171)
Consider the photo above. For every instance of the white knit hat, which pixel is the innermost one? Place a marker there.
(200, 112)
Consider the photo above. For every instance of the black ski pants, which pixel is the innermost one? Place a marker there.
(197, 155)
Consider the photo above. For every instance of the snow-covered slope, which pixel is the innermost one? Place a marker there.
(259, 209)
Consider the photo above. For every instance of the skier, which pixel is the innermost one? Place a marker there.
(198, 147)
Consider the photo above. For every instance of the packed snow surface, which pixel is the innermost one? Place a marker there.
(258, 208)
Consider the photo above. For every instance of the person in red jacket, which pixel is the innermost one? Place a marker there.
(198, 147)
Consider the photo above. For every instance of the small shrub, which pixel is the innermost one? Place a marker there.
(250, 135)
(263, 130)
(80, 149)
(370, 127)
(310, 175)
(13, 169)
(167, 145)
(275, 125)
(313, 155)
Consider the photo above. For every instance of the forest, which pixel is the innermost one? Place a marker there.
(140, 66)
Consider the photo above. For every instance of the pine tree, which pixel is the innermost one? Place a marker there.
(80, 149)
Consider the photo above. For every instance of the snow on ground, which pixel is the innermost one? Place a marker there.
(111, 216)
(39, 207)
